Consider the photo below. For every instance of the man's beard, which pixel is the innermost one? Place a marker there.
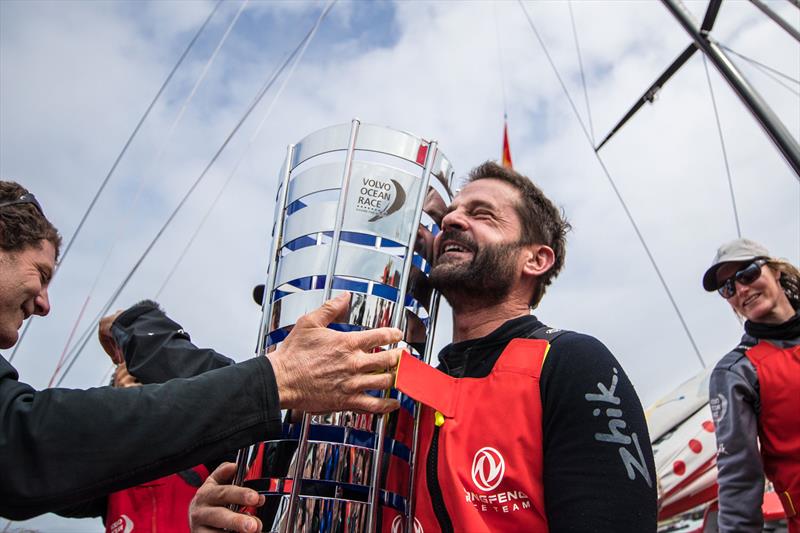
(485, 280)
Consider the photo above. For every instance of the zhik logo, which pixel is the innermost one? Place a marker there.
(397, 525)
(488, 468)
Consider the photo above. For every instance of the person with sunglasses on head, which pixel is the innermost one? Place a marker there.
(754, 390)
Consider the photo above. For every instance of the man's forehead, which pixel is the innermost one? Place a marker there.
(43, 253)
(488, 190)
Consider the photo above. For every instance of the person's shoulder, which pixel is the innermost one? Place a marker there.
(578, 359)
(579, 346)
(736, 356)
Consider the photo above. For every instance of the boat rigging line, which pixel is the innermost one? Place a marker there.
(580, 64)
(124, 221)
(119, 158)
(262, 91)
(614, 186)
(649, 95)
(724, 151)
(500, 62)
(772, 73)
(777, 19)
(767, 119)
(239, 161)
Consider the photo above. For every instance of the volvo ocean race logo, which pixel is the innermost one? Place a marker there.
(398, 523)
(488, 468)
(379, 196)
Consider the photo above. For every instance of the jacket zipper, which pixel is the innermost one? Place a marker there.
(435, 491)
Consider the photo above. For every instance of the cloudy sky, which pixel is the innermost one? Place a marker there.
(76, 77)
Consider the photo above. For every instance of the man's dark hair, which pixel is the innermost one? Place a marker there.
(22, 224)
(542, 221)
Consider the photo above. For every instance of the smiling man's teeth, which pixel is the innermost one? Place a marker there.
(454, 248)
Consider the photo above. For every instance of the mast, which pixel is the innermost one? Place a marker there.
(768, 120)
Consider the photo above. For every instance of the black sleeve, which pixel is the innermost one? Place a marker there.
(60, 447)
(599, 474)
(158, 349)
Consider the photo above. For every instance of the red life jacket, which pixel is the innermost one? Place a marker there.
(778, 372)
(159, 506)
(480, 443)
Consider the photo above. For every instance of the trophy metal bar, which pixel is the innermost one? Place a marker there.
(364, 224)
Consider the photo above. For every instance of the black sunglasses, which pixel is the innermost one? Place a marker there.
(745, 276)
(27, 198)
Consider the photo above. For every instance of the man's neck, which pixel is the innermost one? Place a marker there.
(475, 319)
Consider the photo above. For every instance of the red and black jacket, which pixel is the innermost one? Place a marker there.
(571, 433)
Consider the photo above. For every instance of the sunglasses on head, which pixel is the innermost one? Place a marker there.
(27, 198)
(745, 276)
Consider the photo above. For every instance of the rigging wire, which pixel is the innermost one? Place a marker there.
(583, 77)
(500, 61)
(124, 221)
(722, 145)
(765, 69)
(119, 158)
(777, 19)
(250, 143)
(262, 91)
(614, 187)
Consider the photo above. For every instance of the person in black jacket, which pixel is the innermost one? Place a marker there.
(61, 447)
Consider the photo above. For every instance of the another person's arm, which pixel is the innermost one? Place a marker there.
(59, 447)
(599, 474)
(734, 405)
(155, 347)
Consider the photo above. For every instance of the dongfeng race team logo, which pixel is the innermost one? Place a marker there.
(123, 524)
(397, 525)
(488, 468)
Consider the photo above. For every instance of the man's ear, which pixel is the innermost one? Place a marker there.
(539, 258)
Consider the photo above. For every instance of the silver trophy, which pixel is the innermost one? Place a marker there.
(356, 210)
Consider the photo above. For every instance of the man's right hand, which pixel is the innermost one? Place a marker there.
(319, 370)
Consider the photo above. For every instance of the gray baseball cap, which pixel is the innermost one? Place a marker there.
(732, 252)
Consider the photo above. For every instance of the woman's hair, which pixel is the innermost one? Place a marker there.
(789, 280)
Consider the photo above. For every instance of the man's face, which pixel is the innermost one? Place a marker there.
(477, 252)
(24, 278)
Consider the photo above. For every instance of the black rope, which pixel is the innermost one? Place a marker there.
(119, 158)
(614, 188)
(722, 145)
(267, 85)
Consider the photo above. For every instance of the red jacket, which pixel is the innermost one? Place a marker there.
(778, 422)
(480, 458)
(159, 506)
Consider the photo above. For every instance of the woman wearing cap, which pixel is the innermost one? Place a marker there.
(755, 389)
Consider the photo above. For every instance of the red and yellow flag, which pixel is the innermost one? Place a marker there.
(506, 148)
